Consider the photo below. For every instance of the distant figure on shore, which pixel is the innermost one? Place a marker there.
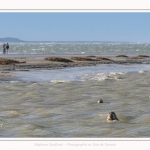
(4, 48)
(7, 48)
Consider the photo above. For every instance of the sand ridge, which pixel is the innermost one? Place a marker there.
(27, 62)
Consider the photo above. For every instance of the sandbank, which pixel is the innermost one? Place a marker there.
(37, 61)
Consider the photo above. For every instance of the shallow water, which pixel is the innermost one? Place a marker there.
(63, 103)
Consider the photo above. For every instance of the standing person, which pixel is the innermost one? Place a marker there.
(7, 48)
(4, 48)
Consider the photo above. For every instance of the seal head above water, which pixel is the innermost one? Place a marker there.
(112, 116)
(100, 101)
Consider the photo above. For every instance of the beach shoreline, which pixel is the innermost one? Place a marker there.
(30, 62)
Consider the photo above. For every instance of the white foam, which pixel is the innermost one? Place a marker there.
(59, 81)
(142, 71)
(102, 76)
(1, 125)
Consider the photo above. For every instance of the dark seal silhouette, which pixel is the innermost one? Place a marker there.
(112, 116)
(100, 101)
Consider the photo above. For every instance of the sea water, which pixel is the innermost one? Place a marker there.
(63, 102)
(75, 48)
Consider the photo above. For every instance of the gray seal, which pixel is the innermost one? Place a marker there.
(100, 101)
(112, 116)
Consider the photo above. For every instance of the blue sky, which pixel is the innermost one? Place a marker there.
(76, 26)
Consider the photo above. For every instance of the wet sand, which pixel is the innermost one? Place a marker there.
(28, 62)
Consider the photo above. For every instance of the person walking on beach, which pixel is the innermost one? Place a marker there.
(4, 48)
(7, 48)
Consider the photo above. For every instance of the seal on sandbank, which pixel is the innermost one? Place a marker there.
(112, 116)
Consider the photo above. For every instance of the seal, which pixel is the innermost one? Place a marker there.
(100, 101)
(112, 116)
